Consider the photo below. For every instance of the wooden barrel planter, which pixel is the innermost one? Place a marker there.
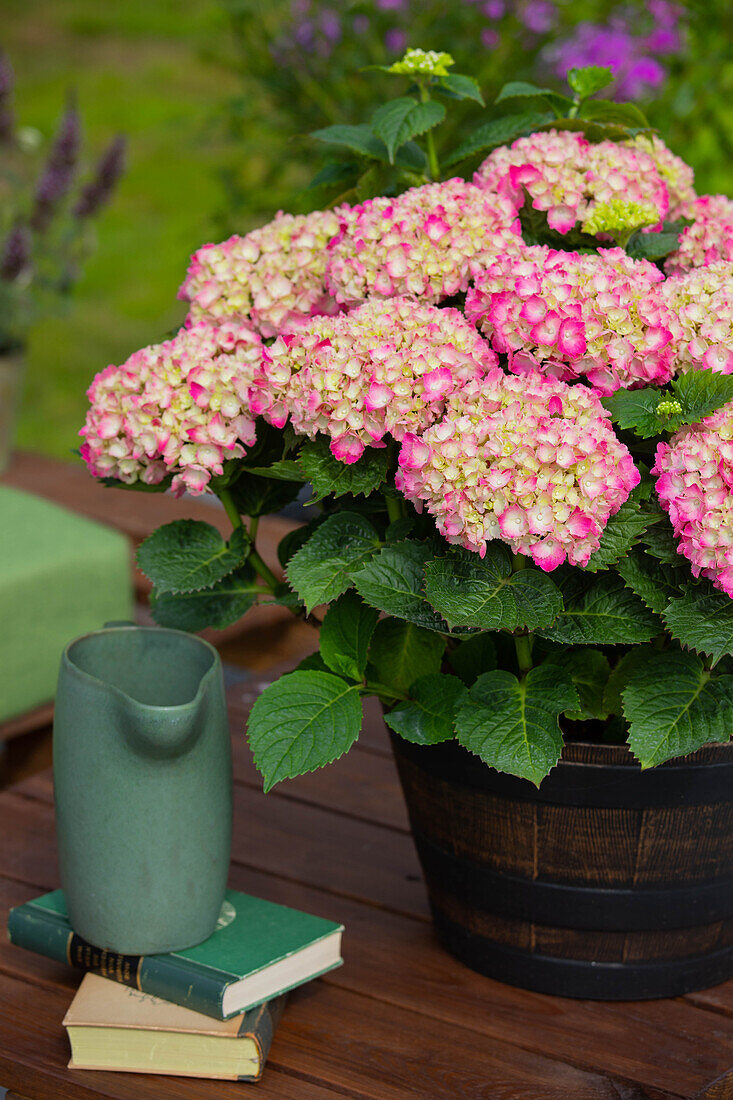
(608, 882)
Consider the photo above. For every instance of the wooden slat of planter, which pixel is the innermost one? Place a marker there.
(665, 1045)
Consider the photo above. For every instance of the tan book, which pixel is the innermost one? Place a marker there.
(112, 1026)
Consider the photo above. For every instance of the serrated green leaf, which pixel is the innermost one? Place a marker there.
(399, 120)
(472, 657)
(590, 79)
(460, 87)
(393, 581)
(702, 619)
(322, 569)
(301, 722)
(312, 663)
(660, 542)
(654, 246)
(469, 591)
(216, 607)
(411, 157)
(608, 111)
(290, 544)
(513, 724)
(261, 496)
(620, 675)
(701, 392)
(334, 173)
(644, 575)
(674, 706)
(622, 531)
(499, 131)
(588, 670)
(287, 469)
(187, 555)
(345, 635)
(329, 477)
(359, 139)
(520, 89)
(636, 410)
(401, 652)
(428, 717)
(600, 610)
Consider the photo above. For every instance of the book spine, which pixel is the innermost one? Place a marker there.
(262, 1029)
(178, 980)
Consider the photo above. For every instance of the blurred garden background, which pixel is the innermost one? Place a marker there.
(216, 98)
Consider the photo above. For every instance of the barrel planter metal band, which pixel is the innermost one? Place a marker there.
(608, 882)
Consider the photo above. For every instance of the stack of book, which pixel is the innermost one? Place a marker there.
(209, 1011)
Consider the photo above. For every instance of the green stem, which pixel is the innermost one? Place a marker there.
(260, 567)
(433, 162)
(394, 507)
(386, 694)
(522, 642)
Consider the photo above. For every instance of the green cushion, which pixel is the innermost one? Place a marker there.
(61, 575)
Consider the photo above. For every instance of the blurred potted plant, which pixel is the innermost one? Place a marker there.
(513, 398)
(46, 212)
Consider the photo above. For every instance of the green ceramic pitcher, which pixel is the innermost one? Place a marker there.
(143, 788)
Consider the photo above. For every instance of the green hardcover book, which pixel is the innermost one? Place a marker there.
(259, 950)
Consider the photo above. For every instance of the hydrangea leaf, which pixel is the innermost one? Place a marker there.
(429, 715)
(621, 114)
(655, 246)
(521, 89)
(600, 610)
(401, 652)
(322, 569)
(187, 555)
(286, 469)
(469, 591)
(261, 496)
(345, 635)
(651, 411)
(702, 619)
(392, 581)
(399, 120)
(219, 606)
(588, 669)
(458, 86)
(674, 706)
(513, 724)
(589, 79)
(701, 392)
(329, 477)
(636, 410)
(360, 139)
(653, 583)
(472, 657)
(660, 542)
(304, 720)
(499, 131)
(290, 544)
(622, 531)
(621, 673)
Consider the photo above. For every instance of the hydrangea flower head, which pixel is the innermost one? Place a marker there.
(174, 408)
(678, 176)
(702, 299)
(423, 63)
(566, 176)
(530, 460)
(387, 367)
(695, 486)
(426, 243)
(708, 239)
(273, 276)
(599, 316)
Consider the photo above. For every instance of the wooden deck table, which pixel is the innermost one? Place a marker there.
(401, 1019)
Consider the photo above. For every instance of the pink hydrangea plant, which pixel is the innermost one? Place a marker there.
(529, 460)
(708, 239)
(678, 177)
(568, 177)
(426, 243)
(273, 277)
(175, 408)
(598, 316)
(695, 486)
(702, 298)
(387, 367)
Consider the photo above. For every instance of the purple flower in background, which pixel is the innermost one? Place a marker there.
(391, 5)
(489, 38)
(7, 116)
(331, 25)
(16, 255)
(395, 40)
(361, 24)
(98, 192)
(538, 16)
(494, 9)
(58, 174)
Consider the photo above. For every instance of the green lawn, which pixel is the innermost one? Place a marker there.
(154, 71)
